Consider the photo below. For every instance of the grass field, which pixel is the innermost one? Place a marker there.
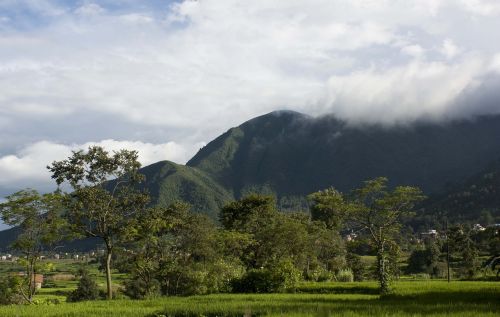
(411, 298)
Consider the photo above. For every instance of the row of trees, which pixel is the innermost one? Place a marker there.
(173, 251)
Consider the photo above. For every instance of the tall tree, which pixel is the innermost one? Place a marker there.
(105, 197)
(373, 209)
(380, 212)
(39, 219)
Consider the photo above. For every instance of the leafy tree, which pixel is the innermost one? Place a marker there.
(9, 286)
(425, 260)
(104, 200)
(462, 244)
(177, 252)
(379, 212)
(327, 206)
(373, 209)
(356, 265)
(248, 213)
(39, 218)
(87, 288)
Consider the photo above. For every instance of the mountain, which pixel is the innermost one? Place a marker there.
(476, 199)
(292, 155)
(168, 182)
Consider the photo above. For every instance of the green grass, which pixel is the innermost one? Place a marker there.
(411, 298)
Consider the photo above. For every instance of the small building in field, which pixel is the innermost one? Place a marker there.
(37, 279)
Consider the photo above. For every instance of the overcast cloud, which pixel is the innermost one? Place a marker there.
(166, 77)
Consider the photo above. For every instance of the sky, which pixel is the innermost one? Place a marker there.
(166, 77)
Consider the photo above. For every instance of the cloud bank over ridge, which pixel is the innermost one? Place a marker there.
(172, 75)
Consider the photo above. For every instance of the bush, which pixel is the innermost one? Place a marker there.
(138, 288)
(220, 275)
(9, 290)
(199, 278)
(356, 265)
(256, 281)
(345, 276)
(325, 276)
(440, 270)
(277, 278)
(87, 288)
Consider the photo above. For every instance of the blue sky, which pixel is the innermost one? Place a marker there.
(157, 75)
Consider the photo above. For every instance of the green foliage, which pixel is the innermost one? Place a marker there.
(376, 210)
(345, 275)
(248, 213)
(87, 288)
(41, 225)
(138, 288)
(474, 198)
(357, 267)
(462, 245)
(426, 260)
(277, 278)
(9, 290)
(105, 199)
(328, 207)
(168, 182)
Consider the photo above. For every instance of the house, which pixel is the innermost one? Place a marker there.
(478, 227)
(429, 234)
(37, 279)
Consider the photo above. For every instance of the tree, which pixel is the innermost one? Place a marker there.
(105, 197)
(379, 211)
(462, 243)
(39, 219)
(327, 206)
(374, 210)
(248, 213)
(87, 288)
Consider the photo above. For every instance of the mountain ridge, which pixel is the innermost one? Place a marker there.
(291, 155)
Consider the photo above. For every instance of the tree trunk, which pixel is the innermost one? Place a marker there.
(109, 253)
(383, 276)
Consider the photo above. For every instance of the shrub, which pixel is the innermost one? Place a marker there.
(256, 281)
(356, 265)
(87, 288)
(345, 276)
(277, 278)
(9, 290)
(138, 288)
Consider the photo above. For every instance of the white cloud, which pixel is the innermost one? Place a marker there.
(414, 50)
(482, 7)
(27, 168)
(495, 64)
(184, 67)
(402, 93)
(449, 49)
(204, 66)
(89, 9)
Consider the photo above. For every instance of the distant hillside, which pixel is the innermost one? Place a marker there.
(168, 182)
(294, 154)
(475, 199)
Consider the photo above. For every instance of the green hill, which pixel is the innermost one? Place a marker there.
(476, 199)
(291, 155)
(294, 154)
(168, 182)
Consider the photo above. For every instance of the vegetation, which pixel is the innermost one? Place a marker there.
(39, 219)
(104, 200)
(303, 263)
(87, 288)
(412, 298)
